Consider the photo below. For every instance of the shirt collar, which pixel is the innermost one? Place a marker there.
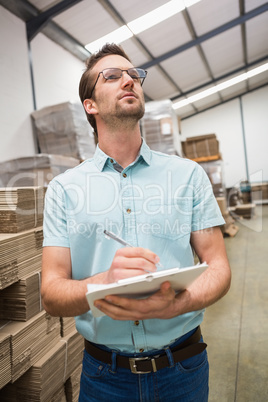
(101, 157)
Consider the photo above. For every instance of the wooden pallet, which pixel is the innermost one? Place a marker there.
(207, 158)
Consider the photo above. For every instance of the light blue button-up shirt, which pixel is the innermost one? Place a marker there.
(155, 202)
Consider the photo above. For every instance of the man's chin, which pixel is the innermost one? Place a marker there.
(131, 108)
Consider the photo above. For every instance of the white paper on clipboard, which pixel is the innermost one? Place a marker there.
(143, 285)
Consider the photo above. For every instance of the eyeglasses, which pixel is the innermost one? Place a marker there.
(116, 73)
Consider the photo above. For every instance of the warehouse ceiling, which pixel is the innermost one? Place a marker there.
(190, 52)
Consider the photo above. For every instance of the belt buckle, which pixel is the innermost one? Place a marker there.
(133, 366)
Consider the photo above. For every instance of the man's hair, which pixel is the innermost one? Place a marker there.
(87, 81)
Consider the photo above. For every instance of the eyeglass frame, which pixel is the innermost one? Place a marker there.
(116, 68)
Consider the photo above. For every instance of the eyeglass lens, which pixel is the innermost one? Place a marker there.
(115, 73)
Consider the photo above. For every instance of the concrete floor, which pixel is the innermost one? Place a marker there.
(236, 328)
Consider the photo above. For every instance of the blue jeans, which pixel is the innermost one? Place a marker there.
(185, 381)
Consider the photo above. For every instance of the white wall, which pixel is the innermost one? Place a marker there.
(16, 104)
(56, 76)
(56, 73)
(225, 121)
(255, 111)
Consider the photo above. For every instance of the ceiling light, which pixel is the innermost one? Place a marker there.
(220, 87)
(117, 36)
(156, 16)
(141, 24)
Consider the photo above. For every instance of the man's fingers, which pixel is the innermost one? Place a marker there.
(134, 263)
(139, 252)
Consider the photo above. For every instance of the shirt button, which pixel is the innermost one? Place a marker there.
(137, 322)
(111, 160)
(141, 350)
(124, 175)
(128, 210)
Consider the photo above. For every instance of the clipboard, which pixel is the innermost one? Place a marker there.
(142, 286)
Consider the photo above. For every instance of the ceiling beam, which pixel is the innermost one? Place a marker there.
(231, 24)
(24, 10)
(225, 101)
(220, 78)
(37, 23)
(199, 49)
(243, 33)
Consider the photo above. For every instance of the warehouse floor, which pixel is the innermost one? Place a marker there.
(236, 328)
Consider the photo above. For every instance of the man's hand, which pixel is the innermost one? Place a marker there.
(204, 291)
(129, 262)
(159, 305)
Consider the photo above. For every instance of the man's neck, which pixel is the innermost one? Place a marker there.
(122, 146)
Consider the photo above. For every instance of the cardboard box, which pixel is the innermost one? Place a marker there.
(222, 204)
(246, 211)
(200, 146)
(229, 228)
(259, 191)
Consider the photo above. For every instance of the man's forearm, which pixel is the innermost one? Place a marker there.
(211, 286)
(67, 297)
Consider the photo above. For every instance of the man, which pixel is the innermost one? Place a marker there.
(140, 350)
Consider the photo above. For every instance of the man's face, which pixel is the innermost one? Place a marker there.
(117, 98)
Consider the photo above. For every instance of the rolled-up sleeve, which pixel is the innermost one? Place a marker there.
(206, 212)
(55, 220)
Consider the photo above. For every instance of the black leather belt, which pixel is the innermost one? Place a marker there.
(141, 365)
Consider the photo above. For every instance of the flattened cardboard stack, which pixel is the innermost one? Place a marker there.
(29, 341)
(21, 208)
(47, 376)
(21, 301)
(35, 170)
(5, 360)
(67, 325)
(74, 352)
(63, 129)
(38, 352)
(41, 381)
(72, 385)
(20, 255)
(160, 127)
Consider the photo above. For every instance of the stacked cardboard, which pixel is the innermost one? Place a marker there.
(35, 170)
(38, 352)
(63, 129)
(229, 228)
(17, 252)
(243, 211)
(21, 208)
(72, 385)
(29, 341)
(42, 381)
(5, 354)
(45, 379)
(259, 192)
(67, 325)
(160, 127)
(214, 170)
(201, 148)
(21, 301)
(74, 352)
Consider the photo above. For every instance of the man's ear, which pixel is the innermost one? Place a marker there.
(90, 106)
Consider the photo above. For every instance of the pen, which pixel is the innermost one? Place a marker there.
(124, 243)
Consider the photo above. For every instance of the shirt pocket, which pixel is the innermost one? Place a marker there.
(170, 221)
